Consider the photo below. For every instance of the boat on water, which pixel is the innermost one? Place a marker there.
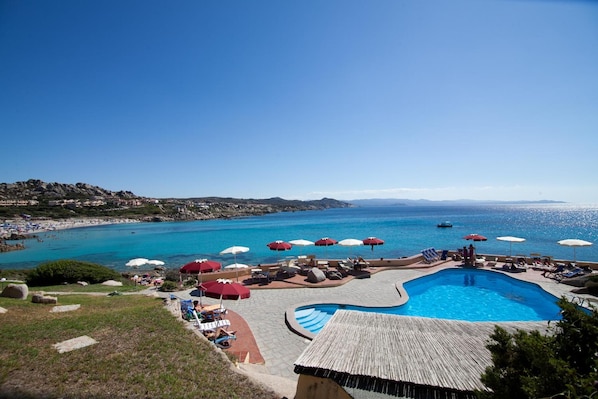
(444, 224)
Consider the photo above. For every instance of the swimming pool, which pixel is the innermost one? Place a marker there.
(456, 294)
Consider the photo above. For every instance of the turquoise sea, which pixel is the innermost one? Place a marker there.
(406, 231)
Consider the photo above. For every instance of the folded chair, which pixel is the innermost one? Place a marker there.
(430, 255)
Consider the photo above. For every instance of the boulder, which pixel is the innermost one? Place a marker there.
(315, 275)
(17, 291)
(113, 283)
(41, 298)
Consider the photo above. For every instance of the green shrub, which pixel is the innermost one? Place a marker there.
(69, 271)
(172, 275)
(169, 286)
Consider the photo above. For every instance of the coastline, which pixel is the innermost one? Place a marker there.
(10, 227)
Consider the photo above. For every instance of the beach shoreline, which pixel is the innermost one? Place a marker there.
(27, 227)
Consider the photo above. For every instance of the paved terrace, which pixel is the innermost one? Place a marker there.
(280, 347)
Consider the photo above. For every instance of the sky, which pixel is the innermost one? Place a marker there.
(345, 99)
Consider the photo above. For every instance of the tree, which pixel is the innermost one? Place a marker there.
(562, 363)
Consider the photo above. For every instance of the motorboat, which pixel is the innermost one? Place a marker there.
(444, 224)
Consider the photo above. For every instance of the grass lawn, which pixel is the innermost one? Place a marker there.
(143, 351)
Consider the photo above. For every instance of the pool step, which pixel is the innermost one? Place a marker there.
(312, 319)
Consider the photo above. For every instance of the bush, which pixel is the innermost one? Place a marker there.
(69, 271)
(172, 275)
(169, 286)
(530, 365)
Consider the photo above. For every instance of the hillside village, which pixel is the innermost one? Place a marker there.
(37, 199)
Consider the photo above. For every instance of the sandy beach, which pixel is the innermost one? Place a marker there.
(33, 226)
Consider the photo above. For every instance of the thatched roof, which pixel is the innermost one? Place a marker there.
(387, 353)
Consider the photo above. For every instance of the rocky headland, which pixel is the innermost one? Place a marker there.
(35, 205)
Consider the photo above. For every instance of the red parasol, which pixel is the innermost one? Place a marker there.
(475, 237)
(371, 241)
(225, 289)
(200, 266)
(279, 246)
(325, 242)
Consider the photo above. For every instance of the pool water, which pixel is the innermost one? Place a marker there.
(456, 294)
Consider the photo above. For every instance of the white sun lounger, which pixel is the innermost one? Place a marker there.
(212, 325)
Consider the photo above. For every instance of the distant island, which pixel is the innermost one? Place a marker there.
(424, 202)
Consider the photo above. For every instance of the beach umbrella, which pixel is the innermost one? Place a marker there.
(371, 241)
(350, 242)
(475, 237)
(155, 262)
(325, 242)
(200, 266)
(237, 266)
(279, 245)
(510, 240)
(137, 262)
(301, 243)
(224, 289)
(234, 250)
(574, 242)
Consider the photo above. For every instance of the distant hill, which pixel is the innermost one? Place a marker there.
(423, 202)
(36, 198)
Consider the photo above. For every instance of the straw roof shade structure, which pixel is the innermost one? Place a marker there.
(412, 357)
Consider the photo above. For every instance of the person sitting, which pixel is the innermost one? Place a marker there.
(219, 333)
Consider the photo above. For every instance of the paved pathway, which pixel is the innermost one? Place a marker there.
(265, 310)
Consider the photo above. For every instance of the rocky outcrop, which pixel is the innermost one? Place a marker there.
(4, 247)
(315, 275)
(45, 299)
(16, 291)
(33, 189)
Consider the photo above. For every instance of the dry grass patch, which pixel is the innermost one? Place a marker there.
(142, 352)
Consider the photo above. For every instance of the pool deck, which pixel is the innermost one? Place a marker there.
(264, 312)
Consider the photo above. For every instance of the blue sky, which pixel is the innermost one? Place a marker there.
(414, 99)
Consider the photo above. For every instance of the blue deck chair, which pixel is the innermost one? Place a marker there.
(573, 273)
(444, 254)
(187, 309)
(430, 255)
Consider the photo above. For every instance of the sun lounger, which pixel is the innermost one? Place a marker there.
(430, 255)
(212, 325)
(555, 273)
(578, 271)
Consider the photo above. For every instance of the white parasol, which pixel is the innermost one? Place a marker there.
(574, 242)
(510, 240)
(234, 250)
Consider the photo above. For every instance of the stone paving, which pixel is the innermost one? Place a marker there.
(265, 310)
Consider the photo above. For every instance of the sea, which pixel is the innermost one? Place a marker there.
(405, 229)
